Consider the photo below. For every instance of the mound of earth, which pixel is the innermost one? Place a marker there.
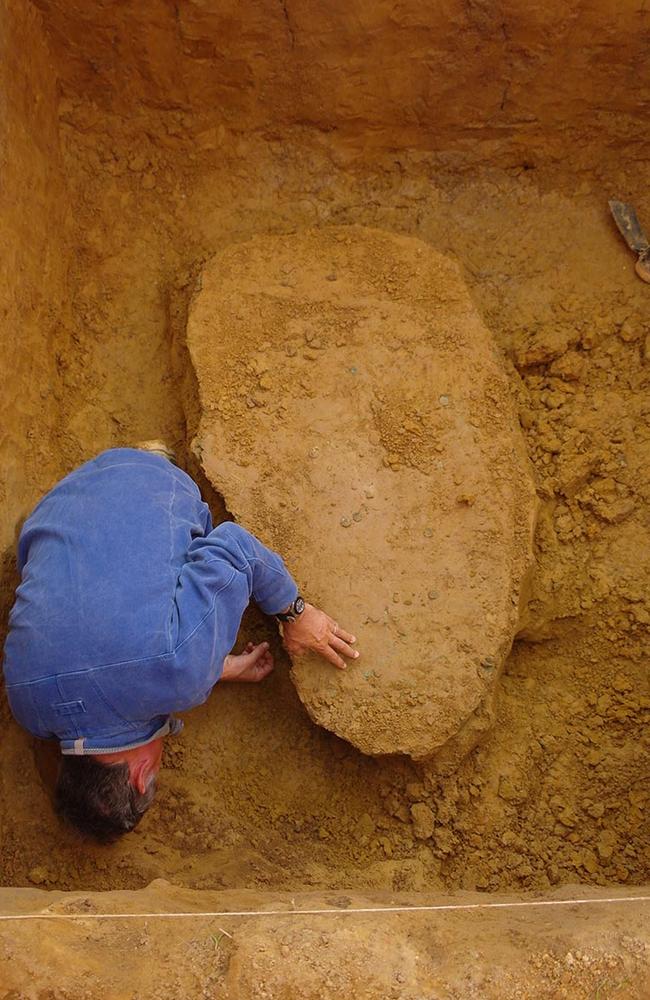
(355, 416)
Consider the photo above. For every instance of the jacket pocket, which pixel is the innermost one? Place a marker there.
(24, 704)
(137, 690)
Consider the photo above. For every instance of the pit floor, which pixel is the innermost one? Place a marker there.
(253, 794)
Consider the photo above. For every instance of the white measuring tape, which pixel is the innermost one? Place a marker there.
(239, 914)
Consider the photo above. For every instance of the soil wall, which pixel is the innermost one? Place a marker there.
(34, 212)
(529, 952)
(502, 81)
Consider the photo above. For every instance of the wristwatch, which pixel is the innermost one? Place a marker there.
(293, 611)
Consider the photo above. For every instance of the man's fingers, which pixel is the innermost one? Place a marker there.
(256, 672)
(340, 633)
(263, 669)
(256, 653)
(336, 630)
(337, 643)
(333, 657)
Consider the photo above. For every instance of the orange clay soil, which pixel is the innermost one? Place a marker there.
(138, 151)
(503, 953)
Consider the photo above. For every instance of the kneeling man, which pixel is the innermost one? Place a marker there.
(128, 607)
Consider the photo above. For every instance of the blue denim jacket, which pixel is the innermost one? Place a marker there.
(128, 603)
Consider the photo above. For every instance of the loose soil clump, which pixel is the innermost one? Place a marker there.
(356, 416)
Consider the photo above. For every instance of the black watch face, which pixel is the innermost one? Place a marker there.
(298, 605)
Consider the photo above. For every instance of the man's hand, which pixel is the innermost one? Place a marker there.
(254, 664)
(315, 630)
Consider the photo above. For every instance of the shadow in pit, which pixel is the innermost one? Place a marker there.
(9, 580)
(46, 752)
(177, 298)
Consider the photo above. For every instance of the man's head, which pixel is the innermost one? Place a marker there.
(106, 795)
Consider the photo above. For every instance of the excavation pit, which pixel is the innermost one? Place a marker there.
(142, 143)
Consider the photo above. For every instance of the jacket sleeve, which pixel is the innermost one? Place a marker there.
(267, 580)
(224, 570)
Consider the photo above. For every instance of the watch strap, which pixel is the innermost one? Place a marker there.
(294, 610)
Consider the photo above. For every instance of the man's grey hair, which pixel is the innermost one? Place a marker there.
(98, 799)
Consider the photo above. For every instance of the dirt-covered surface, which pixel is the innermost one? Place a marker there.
(356, 416)
(254, 794)
(128, 198)
(526, 952)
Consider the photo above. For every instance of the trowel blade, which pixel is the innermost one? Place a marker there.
(629, 226)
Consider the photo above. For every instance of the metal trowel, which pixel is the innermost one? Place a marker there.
(630, 229)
